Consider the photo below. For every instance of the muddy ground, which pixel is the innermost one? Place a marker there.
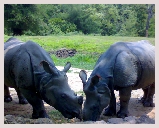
(136, 109)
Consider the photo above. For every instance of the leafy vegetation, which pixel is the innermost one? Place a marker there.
(98, 19)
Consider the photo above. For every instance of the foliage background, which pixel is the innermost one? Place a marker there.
(73, 19)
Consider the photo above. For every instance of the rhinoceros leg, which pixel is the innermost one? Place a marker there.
(111, 110)
(22, 99)
(36, 102)
(147, 99)
(125, 94)
(7, 96)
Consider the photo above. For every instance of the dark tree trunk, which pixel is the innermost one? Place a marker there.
(150, 13)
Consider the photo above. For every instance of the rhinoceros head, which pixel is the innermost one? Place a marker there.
(55, 91)
(97, 96)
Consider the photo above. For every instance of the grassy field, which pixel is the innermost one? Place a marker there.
(88, 47)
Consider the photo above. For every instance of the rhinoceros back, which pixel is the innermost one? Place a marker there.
(145, 52)
(135, 66)
(11, 47)
(129, 64)
(11, 42)
(21, 61)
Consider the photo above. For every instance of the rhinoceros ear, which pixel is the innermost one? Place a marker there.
(95, 79)
(83, 76)
(67, 67)
(48, 68)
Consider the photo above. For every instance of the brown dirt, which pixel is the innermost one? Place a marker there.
(135, 108)
(14, 108)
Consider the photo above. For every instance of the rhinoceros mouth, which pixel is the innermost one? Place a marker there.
(93, 116)
(68, 111)
(72, 114)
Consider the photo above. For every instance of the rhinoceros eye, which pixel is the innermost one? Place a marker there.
(66, 77)
(75, 94)
(63, 95)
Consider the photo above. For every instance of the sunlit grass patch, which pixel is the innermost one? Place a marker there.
(58, 118)
(88, 47)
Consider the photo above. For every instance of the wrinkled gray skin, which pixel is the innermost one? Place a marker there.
(30, 70)
(124, 67)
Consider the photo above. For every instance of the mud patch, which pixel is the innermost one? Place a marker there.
(64, 53)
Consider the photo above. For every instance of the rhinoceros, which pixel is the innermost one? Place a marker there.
(30, 70)
(124, 67)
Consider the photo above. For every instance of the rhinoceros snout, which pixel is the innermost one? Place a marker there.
(80, 100)
(77, 114)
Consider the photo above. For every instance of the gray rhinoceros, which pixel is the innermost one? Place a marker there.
(30, 70)
(125, 66)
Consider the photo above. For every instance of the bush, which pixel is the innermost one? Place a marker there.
(59, 26)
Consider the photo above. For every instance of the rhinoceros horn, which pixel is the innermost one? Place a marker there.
(48, 68)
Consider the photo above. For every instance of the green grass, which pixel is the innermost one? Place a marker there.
(58, 118)
(88, 47)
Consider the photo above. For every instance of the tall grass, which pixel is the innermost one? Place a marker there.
(88, 47)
